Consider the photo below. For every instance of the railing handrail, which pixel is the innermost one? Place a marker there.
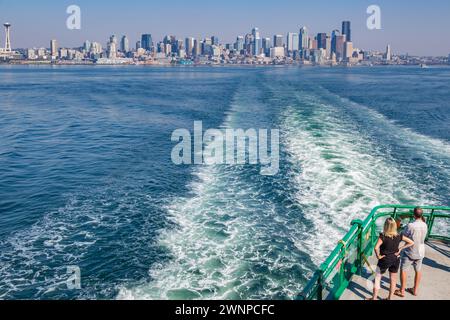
(314, 286)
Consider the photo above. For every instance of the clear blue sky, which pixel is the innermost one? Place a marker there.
(415, 27)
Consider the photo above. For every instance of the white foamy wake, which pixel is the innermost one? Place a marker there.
(344, 174)
(231, 243)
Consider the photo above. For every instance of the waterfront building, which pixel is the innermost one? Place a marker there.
(31, 54)
(277, 52)
(54, 49)
(348, 50)
(124, 44)
(346, 30)
(63, 53)
(147, 42)
(138, 45)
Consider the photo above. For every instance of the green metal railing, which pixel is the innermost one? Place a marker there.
(348, 258)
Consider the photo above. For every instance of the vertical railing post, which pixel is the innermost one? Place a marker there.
(430, 224)
(359, 262)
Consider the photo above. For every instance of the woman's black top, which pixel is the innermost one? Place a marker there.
(390, 246)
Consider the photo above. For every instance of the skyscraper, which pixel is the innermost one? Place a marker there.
(124, 44)
(346, 30)
(321, 40)
(54, 48)
(388, 54)
(278, 41)
(239, 45)
(113, 38)
(87, 46)
(340, 42)
(112, 50)
(189, 46)
(292, 41)
(304, 38)
(257, 43)
(334, 34)
(266, 44)
(146, 42)
(215, 40)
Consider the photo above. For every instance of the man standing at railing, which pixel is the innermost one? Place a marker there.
(413, 256)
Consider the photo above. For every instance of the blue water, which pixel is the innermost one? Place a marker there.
(86, 177)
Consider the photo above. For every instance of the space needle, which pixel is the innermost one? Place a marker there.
(8, 37)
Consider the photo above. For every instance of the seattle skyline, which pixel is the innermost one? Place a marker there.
(403, 23)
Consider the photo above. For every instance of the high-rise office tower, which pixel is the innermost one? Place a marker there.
(278, 41)
(304, 38)
(348, 50)
(197, 48)
(321, 40)
(239, 45)
(328, 47)
(340, 42)
(113, 39)
(292, 41)
(266, 44)
(334, 34)
(347, 30)
(147, 42)
(138, 45)
(124, 44)
(214, 40)
(87, 46)
(54, 48)
(388, 54)
(112, 50)
(257, 42)
(189, 45)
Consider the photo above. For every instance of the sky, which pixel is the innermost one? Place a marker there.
(410, 26)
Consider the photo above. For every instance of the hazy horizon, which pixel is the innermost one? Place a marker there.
(414, 28)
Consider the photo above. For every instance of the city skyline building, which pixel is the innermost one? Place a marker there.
(304, 38)
(124, 44)
(292, 41)
(146, 42)
(278, 41)
(53, 49)
(347, 30)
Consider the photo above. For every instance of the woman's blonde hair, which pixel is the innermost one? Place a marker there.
(390, 228)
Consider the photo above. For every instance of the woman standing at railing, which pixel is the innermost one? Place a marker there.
(388, 253)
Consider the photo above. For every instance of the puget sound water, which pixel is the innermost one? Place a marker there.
(87, 181)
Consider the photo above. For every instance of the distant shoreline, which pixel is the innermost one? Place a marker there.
(217, 65)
